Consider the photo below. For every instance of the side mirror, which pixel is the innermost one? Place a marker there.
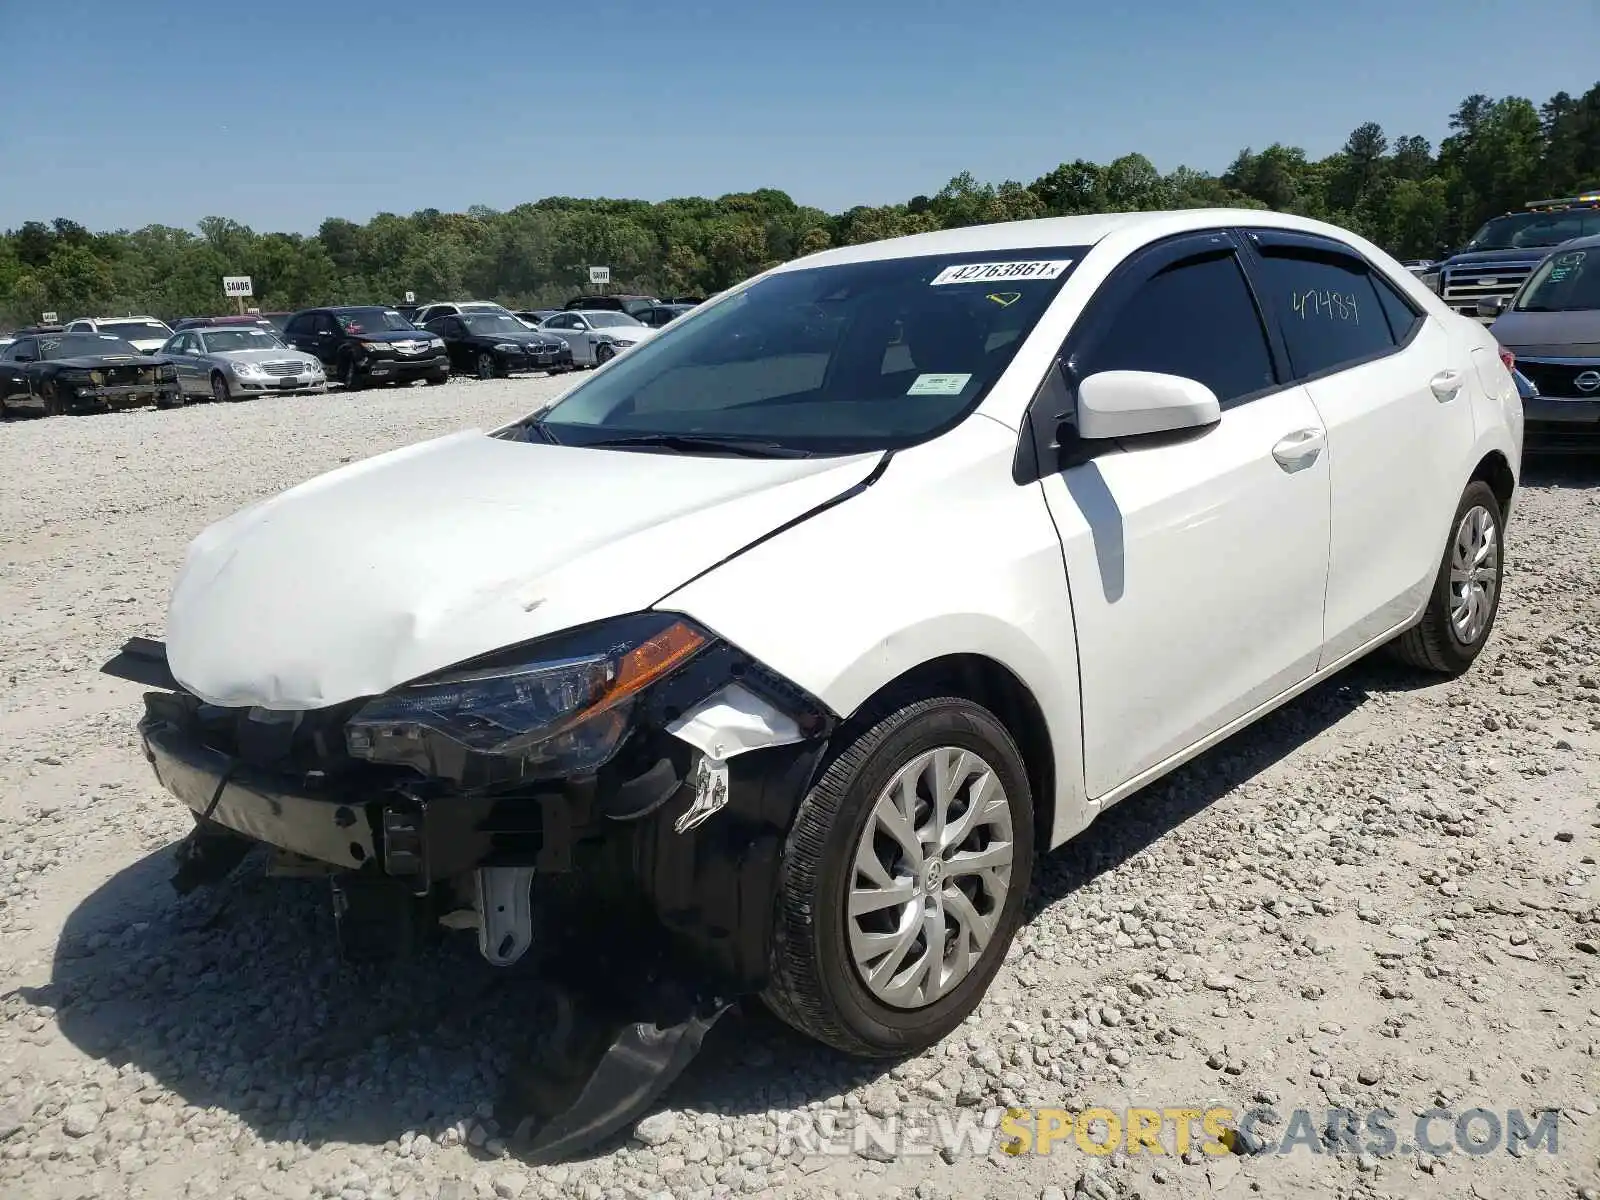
(1120, 404)
(1493, 306)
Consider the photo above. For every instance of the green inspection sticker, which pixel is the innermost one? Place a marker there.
(937, 385)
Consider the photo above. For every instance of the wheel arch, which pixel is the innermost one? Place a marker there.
(990, 684)
(1494, 468)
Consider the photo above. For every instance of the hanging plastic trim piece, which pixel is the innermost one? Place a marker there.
(733, 721)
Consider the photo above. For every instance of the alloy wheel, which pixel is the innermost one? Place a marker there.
(485, 365)
(931, 874)
(1474, 574)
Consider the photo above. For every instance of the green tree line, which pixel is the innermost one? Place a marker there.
(1401, 192)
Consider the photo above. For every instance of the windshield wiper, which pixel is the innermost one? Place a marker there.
(532, 427)
(690, 442)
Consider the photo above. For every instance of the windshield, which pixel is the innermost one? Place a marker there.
(219, 340)
(605, 320)
(483, 306)
(1535, 229)
(859, 356)
(77, 345)
(492, 323)
(143, 330)
(1565, 282)
(372, 320)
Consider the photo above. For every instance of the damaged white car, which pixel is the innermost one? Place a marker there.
(795, 635)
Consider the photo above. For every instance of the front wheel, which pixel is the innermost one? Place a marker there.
(486, 366)
(903, 881)
(438, 377)
(52, 400)
(219, 389)
(349, 375)
(603, 355)
(1466, 593)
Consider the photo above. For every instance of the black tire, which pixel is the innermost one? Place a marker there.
(603, 355)
(220, 392)
(1434, 644)
(485, 365)
(814, 984)
(52, 400)
(349, 375)
(438, 377)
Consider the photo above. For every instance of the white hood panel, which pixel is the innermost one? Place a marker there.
(412, 561)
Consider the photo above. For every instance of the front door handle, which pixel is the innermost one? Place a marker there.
(1446, 384)
(1299, 450)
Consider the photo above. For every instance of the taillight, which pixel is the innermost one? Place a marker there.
(1508, 358)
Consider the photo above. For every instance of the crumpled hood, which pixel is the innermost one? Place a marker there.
(404, 564)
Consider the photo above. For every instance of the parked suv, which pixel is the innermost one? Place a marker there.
(1552, 328)
(1505, 250)
(367, 344)
(424, 313)
(144, 334)
(634, 306)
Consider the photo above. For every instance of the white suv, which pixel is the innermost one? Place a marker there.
(807, 626)
(144, 334)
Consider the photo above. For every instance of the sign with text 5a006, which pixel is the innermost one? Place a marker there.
(237, 285)
(599, 274)
(49, 318)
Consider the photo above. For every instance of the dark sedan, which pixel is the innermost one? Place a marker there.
(59, 373)
(490, 345)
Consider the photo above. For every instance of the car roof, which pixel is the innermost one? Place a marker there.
(1086, 230)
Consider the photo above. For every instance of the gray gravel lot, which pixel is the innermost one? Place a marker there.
(1384, 896)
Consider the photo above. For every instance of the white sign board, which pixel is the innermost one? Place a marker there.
(236, 285)
(50, 318)
(411, 297)
(599, 274)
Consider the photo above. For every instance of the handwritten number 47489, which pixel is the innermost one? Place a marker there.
(1333, 305)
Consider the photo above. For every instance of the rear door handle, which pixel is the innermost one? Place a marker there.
(1446, 384)
(1299, 450)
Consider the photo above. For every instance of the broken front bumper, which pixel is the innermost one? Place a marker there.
(689, 844)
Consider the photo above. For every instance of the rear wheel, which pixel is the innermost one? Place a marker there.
(903, 880)
(486, 365)
(219, 389)
(1466, 593)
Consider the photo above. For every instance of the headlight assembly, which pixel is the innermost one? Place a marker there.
(248, 370)
(507, 347)
(562, 707)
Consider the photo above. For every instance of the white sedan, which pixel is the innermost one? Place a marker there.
(598, 335)
(811, 626)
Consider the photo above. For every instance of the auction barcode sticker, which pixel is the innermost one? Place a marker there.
(1001, 272)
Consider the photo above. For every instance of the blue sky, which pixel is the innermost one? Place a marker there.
(279, 114)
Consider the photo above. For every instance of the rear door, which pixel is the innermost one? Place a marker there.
(1398, 410)
(1197, 563)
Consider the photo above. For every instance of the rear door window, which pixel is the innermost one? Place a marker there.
(1327, 307)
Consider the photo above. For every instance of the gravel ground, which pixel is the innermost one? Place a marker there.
(1383, 896)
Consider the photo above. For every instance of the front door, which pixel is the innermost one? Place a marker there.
(1197, 563)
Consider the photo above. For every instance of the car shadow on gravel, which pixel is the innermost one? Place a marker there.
(234, 997)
